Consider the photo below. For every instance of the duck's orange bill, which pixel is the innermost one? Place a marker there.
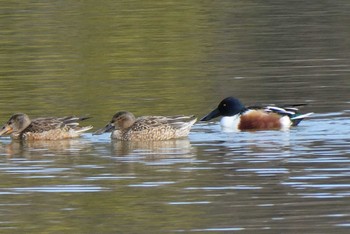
(6, 130)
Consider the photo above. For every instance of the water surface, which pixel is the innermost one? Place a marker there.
(151, 57)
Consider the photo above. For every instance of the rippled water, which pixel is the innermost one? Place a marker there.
(151, 57)
(272, 181)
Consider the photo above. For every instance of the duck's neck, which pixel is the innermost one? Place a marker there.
(19, 134)
(126, 123)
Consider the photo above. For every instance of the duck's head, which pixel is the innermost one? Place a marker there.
(16, 124)
(230, 106)
(121, 120)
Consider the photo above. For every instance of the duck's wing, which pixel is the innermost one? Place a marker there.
(176, 122)
(291, 110)
(50, 123)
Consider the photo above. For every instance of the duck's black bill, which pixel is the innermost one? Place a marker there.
(215, 113)
(108, 128)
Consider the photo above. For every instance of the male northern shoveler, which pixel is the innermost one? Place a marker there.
(20, 126)
(125, 126)
(238, 117)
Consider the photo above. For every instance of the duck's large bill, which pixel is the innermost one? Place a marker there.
(215, 113)
(108, 128)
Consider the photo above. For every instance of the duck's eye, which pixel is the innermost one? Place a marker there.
(224, 104)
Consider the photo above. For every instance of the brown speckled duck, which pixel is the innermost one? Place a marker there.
(124, 126)
(21, 127)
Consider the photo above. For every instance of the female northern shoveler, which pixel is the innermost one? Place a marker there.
(48, 128)
(125, 126)
(238, 117)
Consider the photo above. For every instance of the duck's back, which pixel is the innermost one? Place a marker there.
(157, 128)
(51, 128)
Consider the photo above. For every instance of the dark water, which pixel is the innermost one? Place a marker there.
(167, 57)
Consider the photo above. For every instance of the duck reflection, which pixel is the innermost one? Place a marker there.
(152, 150)
(37, 149)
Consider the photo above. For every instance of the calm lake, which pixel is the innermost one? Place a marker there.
(170, 57)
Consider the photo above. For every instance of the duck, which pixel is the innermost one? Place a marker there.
(21, 127)
(237, 117)
(126, 127)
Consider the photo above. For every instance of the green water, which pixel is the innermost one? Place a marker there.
(168, 57)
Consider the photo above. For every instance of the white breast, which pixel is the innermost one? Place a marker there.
(285, 123)
(230, 123)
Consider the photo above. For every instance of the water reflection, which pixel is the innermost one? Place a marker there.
(59, 189)
(176, 57)
(153, 149)
(37, 149)
(272, 176)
